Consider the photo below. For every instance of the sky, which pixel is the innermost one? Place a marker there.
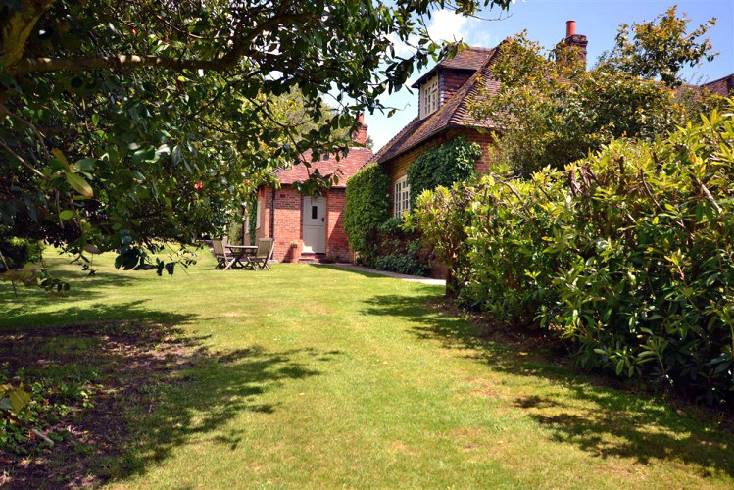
(545, 22)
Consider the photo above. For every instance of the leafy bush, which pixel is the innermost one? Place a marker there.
(451, 162)
(19, 251)
(627, 255)
(367, 206)
(396, 247)
(235, 233)
(404, 263)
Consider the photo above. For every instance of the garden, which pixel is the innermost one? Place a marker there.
(585, 334)
(143, 381)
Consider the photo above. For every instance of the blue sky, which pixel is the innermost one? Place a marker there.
(545, 22)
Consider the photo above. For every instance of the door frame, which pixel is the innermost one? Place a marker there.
(321, 223)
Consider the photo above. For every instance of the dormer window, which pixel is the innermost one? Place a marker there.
(428, 97)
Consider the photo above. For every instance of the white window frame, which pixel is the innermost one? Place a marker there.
(401, 197)
(429, 97)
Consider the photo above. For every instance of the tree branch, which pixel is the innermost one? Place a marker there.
(119, 62)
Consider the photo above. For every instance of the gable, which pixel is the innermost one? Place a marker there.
(453, 113)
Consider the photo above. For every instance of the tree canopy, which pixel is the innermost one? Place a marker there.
(661, 48)
(553, 112)
(127, 123)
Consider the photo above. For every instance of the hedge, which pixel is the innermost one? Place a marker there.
(627, 256)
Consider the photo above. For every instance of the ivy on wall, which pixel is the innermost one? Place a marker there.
(367, 205)
(448, 163)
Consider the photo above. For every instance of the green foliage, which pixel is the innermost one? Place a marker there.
(552, 113)
(29, 405)
(235, 233)
(366, 207)
(659, 50)
(16, 252)
(404, 263)
(440, 215)
(394, 246)
(627, 255)
(448, 163)
(124, 124)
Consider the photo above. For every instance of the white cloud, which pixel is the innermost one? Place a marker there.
(447, 25)
(403, 49)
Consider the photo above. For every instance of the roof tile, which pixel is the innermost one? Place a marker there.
(346, 167)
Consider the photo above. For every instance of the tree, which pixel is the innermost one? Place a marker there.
(552, 112)
(127, 123)
(659, 49)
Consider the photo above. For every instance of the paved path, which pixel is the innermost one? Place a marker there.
(405, 277)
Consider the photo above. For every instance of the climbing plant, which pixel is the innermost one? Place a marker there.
(448, 163)
(367, 205)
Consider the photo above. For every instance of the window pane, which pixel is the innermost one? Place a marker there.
(314, 212)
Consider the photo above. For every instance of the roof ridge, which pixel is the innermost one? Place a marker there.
(447, 115)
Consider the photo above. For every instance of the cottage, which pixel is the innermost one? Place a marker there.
(310, 228)
(443, 96)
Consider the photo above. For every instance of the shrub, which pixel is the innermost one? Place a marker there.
(626, 255)
(235, 232)
(395, 247)
(366, 206)
(451, 162)
(17, 252)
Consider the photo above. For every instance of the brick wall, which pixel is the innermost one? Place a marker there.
(288, 222)
(398, 167)
(337, 243)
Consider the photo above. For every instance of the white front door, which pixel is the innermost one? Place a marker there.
(314, 214)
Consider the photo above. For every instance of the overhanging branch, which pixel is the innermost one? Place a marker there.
(117, 63)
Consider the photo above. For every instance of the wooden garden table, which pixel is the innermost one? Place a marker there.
(240, 252)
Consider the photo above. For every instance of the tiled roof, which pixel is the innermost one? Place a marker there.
(468, 59)
(453, 113)
(722, 86)
(346, 167)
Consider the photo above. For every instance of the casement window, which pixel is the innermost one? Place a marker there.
(428, 97)
(401, 196)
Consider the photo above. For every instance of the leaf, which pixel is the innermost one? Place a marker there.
(66, 215)
(84, 165)
(19, 398)
(61, 157)
(79, 184)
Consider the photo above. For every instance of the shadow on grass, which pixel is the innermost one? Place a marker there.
(603, 421)
(153, 388)
(28, 299)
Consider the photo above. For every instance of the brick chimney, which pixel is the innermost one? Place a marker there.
(576, 41)
(360, 134)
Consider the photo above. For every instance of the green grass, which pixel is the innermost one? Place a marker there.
(315, 377)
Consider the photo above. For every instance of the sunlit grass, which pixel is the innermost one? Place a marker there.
(318, 377)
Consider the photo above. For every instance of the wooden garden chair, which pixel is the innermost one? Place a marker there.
(263, 255)
(219, 253)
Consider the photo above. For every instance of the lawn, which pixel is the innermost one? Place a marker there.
(310, 376)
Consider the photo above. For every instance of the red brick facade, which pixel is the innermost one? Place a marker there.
(283, 211)
(280, 210)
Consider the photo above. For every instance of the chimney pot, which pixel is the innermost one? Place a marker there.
(570, 28)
